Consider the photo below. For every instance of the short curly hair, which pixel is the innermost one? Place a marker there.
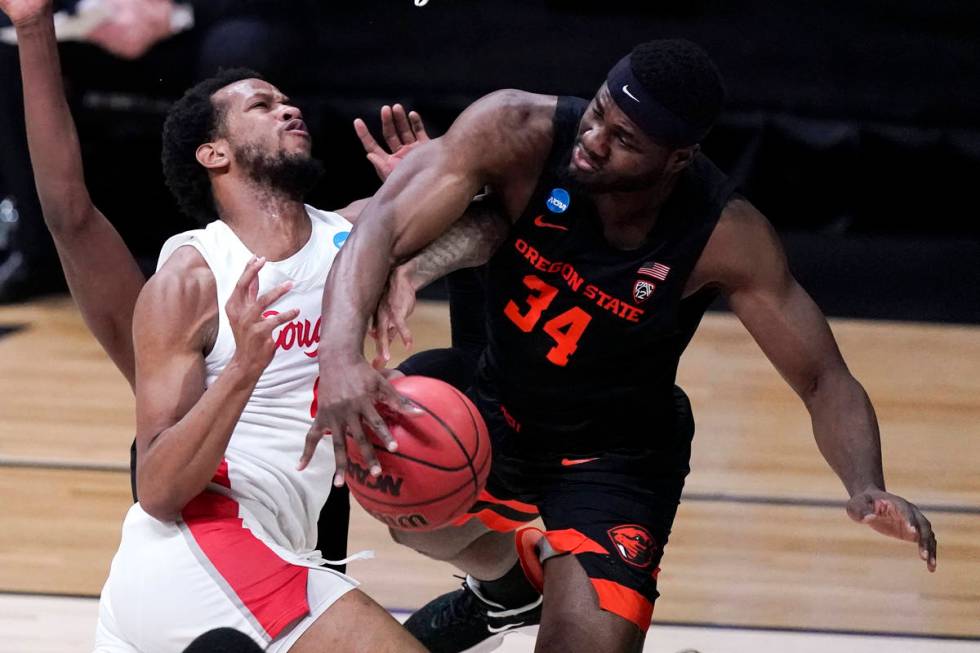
(193, 120)
(682, 77)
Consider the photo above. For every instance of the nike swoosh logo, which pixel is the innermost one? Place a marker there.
(568, 462)
(626, 89)
(504, 627)
(539, 222)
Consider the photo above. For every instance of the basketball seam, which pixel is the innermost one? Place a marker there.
(469, 460)
(466, 454)
(476, 429)
(420, 503)
(396, 454)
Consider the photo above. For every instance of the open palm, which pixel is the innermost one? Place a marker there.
(890, 514)
(21, 11)
(402, 131)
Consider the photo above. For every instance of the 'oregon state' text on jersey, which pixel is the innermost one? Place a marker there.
(585, 338)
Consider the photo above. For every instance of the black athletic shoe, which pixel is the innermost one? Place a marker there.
(466, 621)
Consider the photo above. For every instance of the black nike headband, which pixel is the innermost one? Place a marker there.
(641, 106)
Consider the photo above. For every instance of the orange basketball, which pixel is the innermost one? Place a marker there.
(441, 465)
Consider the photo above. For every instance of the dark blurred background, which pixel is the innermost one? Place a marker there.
(854, 126)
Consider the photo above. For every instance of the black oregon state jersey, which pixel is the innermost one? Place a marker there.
(584, 338)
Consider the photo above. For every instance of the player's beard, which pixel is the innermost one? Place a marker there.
(291, 175)
(597, 184)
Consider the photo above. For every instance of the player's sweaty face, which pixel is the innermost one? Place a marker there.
(611, 153)
(256, 114)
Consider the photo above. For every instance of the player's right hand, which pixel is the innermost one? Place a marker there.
(402, 132)
(251, 324)
(22, 12)
(346, 405)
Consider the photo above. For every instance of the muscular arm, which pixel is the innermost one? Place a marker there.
(469, 242)
(420, 200)
(425, 194)
(500, 141)
(744, 257)
(352, 211)
(789, 327)
(183, 428)
(102, 274)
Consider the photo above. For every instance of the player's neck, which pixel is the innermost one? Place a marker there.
(267, 222)
(628, 217)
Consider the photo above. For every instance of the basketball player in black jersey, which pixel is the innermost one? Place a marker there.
(622, 233)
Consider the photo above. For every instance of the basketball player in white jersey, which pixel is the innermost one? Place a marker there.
(225, 374)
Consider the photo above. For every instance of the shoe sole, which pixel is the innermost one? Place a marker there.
(496, 641)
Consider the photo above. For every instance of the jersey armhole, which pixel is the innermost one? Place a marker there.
(190, 240)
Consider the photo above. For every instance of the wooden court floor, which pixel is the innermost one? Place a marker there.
(761, 539)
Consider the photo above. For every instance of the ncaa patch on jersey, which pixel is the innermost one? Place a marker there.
(559, 200)
(642, 289)
(340, 238)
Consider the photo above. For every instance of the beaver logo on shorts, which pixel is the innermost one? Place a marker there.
(634, 543)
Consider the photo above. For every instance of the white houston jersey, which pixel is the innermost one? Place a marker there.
(277, 503)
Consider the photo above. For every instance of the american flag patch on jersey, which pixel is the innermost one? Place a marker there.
(655, 270)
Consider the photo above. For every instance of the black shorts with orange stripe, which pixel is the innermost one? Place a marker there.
(612, 509)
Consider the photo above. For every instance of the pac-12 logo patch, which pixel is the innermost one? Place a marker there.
(642, 290)
(559, 200)
(634, 544)
(340, 238)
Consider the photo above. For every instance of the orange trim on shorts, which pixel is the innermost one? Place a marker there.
(623, 601)
(494, 520)
(491, 520)
(510, 503)
(573, 541)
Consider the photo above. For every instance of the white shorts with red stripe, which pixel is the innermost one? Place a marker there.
(171, 582)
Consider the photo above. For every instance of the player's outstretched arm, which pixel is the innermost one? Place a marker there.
(425, 194)
(469, 242)
(102, 274)
(747, 260)
(183, 429)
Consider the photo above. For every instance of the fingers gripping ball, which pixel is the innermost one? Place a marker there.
(441, 464)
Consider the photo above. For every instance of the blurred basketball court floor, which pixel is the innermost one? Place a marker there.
(762, 557)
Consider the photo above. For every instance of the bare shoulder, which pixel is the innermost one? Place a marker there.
(743, 246)
(515, 109)
(184, 276)
(507, 127)
(183, 293)
(741, 224)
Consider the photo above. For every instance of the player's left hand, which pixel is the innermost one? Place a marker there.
(402, 131)
(391, 317)
(892, 515)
